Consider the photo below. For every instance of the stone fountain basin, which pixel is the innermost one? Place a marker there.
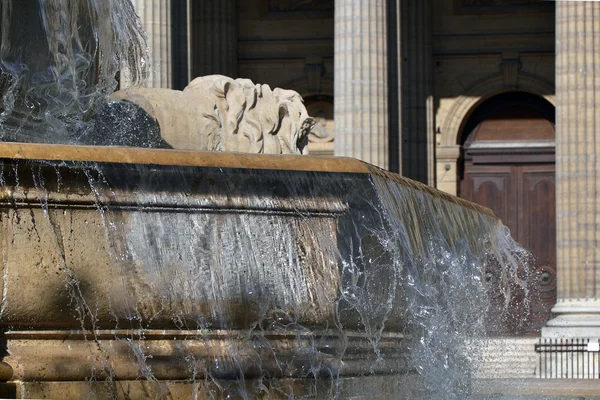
(107, 232)
(187, 252)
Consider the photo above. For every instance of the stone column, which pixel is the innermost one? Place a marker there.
(156, 18)
(577, 171)
(417, 134)
(361, 81)
(214, 38)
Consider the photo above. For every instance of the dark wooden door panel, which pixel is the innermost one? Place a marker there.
(509, 157)
(537, 233)
(493, 188)
(523, 196)
(537, 213)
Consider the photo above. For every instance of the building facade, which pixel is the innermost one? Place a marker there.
(459, 94)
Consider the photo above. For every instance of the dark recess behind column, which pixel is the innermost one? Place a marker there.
(180, 44)
(393, 87)
(416, 86)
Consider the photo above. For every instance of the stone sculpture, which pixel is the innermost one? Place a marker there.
(217, 113)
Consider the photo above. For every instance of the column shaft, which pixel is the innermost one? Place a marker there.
(156, 18)
(577, 170)
(214, 38)
(361, 81)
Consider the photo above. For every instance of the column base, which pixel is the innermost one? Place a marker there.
(569, 346)
(575, 319)
(573, 326)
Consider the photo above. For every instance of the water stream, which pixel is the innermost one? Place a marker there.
(59, 60)
(276, 273)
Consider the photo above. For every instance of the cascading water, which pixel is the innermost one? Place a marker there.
(445, 257)
(59, 61)
(259, 277)
(239, 282)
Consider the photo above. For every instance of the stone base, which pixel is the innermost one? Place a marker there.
(564, 350)
(200, 364)
(382, 387)
(506, 358)
(574, 319)
(580, 325)
(357, 388)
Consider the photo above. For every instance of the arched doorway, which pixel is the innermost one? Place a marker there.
(508, 153)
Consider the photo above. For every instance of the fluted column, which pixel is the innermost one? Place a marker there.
(577, 170)
(214, 38)
(156, 18)
(361, 81)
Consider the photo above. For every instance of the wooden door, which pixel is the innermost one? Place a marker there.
(537, 233)
(523, 196)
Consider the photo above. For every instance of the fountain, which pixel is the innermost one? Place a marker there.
(170, 271)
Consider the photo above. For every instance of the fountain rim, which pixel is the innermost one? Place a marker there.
(188, 158)
(182, 158)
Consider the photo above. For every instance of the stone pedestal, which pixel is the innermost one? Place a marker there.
(156, 18)
(213, 40)
(361, 81)
(577, 169)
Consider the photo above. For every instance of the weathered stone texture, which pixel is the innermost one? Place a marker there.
(218, 113)
(469, 50)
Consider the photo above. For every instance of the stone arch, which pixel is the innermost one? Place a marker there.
(526, 118)
(302, 87)
(464, 104)
(448, 149)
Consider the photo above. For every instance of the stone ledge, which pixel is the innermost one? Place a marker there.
(46, 356)
(370, 387)
(130, 155)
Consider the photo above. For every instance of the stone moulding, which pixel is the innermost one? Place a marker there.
(70, 216)
(41, 349)
(127, 155)
(76, 219)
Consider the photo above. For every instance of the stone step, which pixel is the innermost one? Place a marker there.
(505, 358)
